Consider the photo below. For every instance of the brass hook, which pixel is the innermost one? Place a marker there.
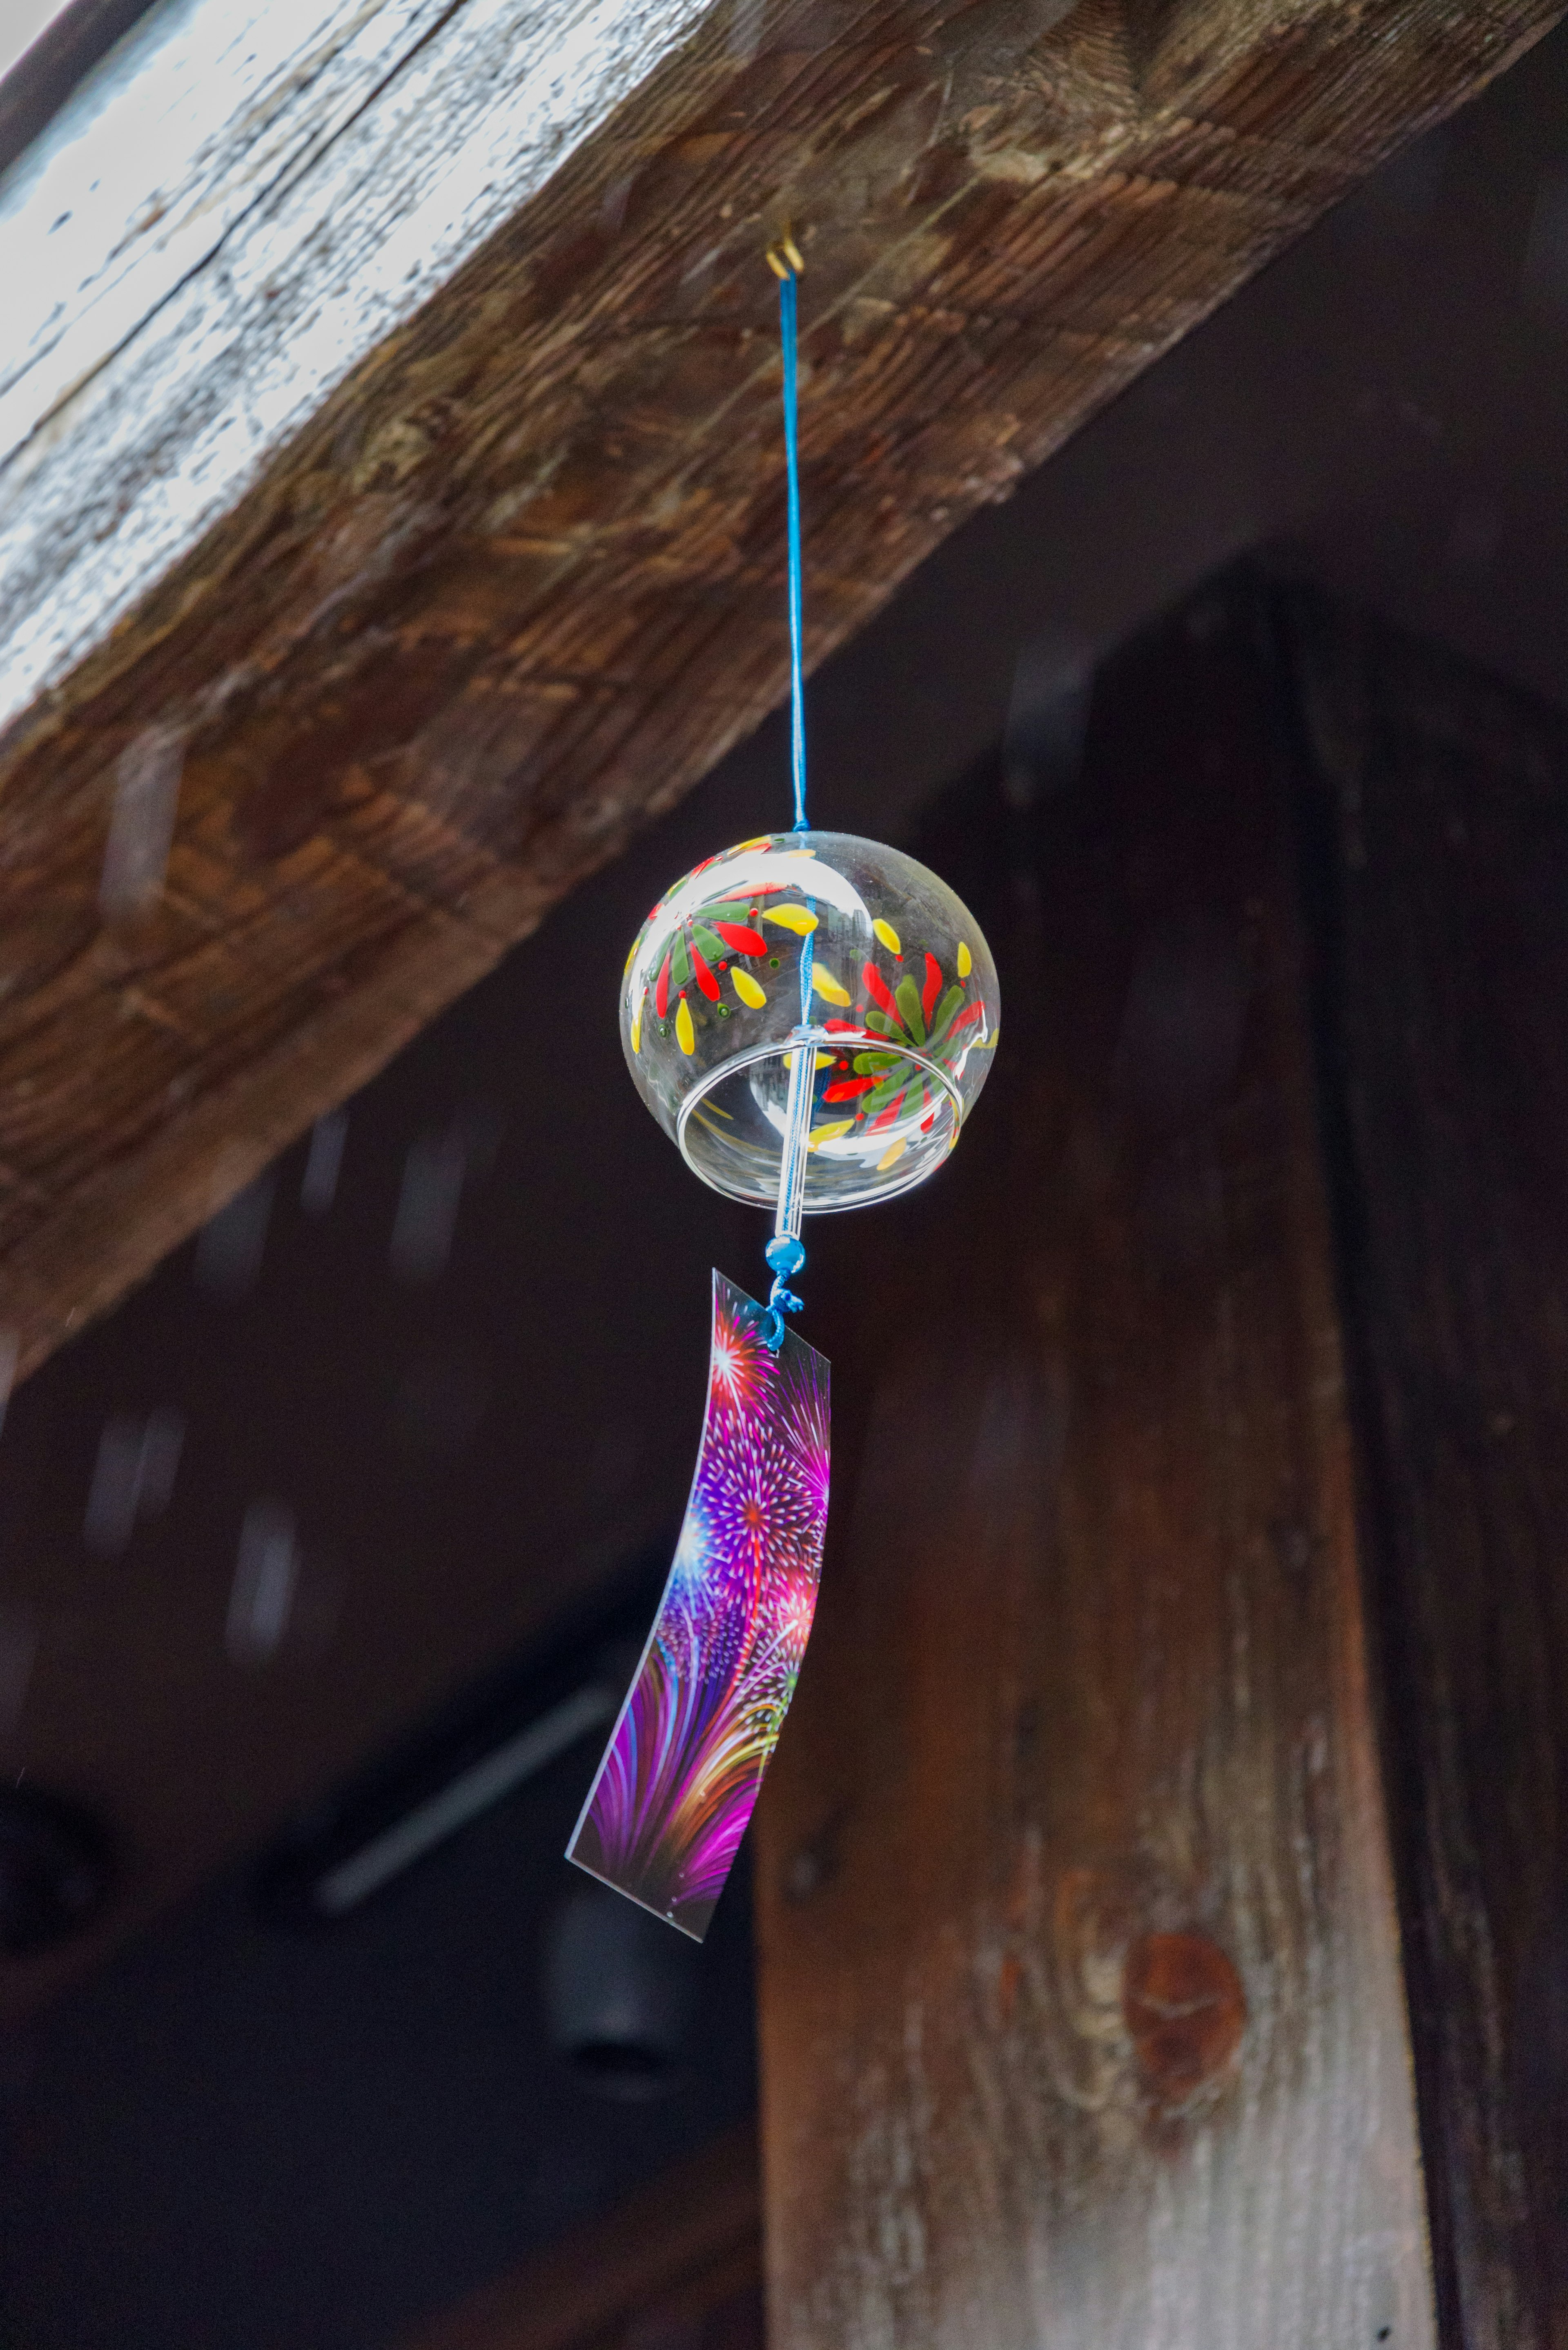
(784, 257)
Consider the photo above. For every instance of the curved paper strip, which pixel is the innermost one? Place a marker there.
(680, 1775)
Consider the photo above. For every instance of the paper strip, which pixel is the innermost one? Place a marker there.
(675, 1790)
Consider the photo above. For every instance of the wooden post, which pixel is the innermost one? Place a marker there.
(1447, 817)
(1082, 2014)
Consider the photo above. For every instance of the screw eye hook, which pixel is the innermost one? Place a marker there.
(784, 257)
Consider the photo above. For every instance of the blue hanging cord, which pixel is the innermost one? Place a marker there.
(788, 336)
(785, 1254)
(788, 321)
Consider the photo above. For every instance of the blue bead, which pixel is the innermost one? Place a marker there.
(784, 1256)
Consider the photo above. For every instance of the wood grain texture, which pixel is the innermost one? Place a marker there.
(679, 2267)
(274, 190)
(1082, 2018)
(519, 582)
(1447, 804)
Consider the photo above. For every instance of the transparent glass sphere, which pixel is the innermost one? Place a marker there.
(900, 1012)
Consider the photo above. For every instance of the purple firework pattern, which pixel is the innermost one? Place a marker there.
(680, 1777)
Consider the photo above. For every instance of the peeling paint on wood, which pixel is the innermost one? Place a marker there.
(517, 582)
(271, 196)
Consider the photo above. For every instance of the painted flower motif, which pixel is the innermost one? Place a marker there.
(926, 1011)
(707, 941)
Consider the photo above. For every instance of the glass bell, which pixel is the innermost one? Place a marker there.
(815, 942)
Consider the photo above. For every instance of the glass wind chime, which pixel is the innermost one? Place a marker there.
(811, 1017)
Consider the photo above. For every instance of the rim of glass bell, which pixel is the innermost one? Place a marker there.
(877, 1187)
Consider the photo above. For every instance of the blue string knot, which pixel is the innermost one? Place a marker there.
(786, 1255)
(781, 1301)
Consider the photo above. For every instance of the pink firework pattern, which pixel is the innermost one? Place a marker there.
(680, 1777)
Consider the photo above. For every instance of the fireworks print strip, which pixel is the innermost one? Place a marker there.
(680, 1777)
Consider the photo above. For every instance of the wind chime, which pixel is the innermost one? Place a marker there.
(810, 1017)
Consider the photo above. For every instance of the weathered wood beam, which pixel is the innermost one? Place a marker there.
(459, 619)
(1080, 1990)
(236, 209)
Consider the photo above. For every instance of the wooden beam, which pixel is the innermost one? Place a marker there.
(1080, 2005)
(1445, 815)
(233, 212)
(514, 582)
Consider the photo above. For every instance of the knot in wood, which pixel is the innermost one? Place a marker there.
(1186, 2012)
